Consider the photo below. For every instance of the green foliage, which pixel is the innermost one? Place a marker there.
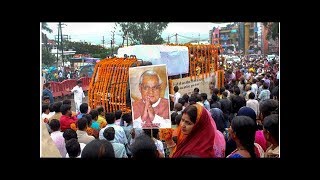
(273, 30)
(83, 47)
(143, 33)
(44, 26)
(48, 59)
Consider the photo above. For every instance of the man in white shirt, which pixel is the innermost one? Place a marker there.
(253, 104)
(120, 135)
(78, 95)
(176, 95)
(254, 87)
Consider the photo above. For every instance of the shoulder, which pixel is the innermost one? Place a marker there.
(164, 101)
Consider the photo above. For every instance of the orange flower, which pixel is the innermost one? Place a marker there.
(89, 131)
(73, 126)
(165, 133)
(102, 125)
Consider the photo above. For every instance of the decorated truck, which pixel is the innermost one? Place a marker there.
(188, 66)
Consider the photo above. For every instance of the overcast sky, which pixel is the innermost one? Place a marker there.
(94, 32)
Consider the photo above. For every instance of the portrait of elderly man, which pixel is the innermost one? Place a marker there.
(152, 110)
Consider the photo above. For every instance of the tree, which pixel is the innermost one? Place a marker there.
(273, 30)
(44, 26)
(47, 58)
(143, 33)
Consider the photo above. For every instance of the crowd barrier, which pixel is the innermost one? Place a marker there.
(61, 89)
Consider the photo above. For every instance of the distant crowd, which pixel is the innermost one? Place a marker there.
(239, 120)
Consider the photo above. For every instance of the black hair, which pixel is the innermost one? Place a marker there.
(98, 149)
(110, 117)
(196, 90)
(66, 101)
(215, 91)
(186, 97)
(173, 117)
(227, 86)
(251, 95)
(82, 123)
(245, 129)
(144, 148)
(176, 88)
(56, 106)
(69, 134)
(73, 148)
(268, 107)
(89, 119)
(271, 123)
(178, 119)
(225, 94)
(265, 85)
(236, 90)
(79, 82)
(94, 113)
(214, 97)
(155, 132)
(181, 101)
(204, 96)
(45, 107)
(222, 89)
(51, 108)
(192, 112)
(45, 98)
(118, 114)
(127, 117)
(65, 108)
(54, 124)
(84, 108)
(109, 133)
(178, 106)
(100, 109)
(192, 100)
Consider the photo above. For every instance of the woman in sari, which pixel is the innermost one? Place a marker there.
(259, 142)
(195, 134)
(271, 132)
(242, 131)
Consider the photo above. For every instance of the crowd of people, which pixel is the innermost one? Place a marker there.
(240, 120)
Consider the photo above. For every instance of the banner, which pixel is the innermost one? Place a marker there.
(186, 85)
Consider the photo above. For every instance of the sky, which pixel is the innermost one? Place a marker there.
(94, 32)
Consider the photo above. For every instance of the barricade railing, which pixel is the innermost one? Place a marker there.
(61, 89)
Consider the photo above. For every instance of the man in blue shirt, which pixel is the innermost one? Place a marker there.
(47, 92)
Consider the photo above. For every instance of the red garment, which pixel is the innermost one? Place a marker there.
(66, 121)
(238, 75)
(200, 141)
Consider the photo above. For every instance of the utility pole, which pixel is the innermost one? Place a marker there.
(168, 39)
(127, 36)
(58, 44)
(102, 41)
(176, 38)
(112, 42)
(61, 43)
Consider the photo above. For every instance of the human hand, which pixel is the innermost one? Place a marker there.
(145, 115)
(151, 112)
